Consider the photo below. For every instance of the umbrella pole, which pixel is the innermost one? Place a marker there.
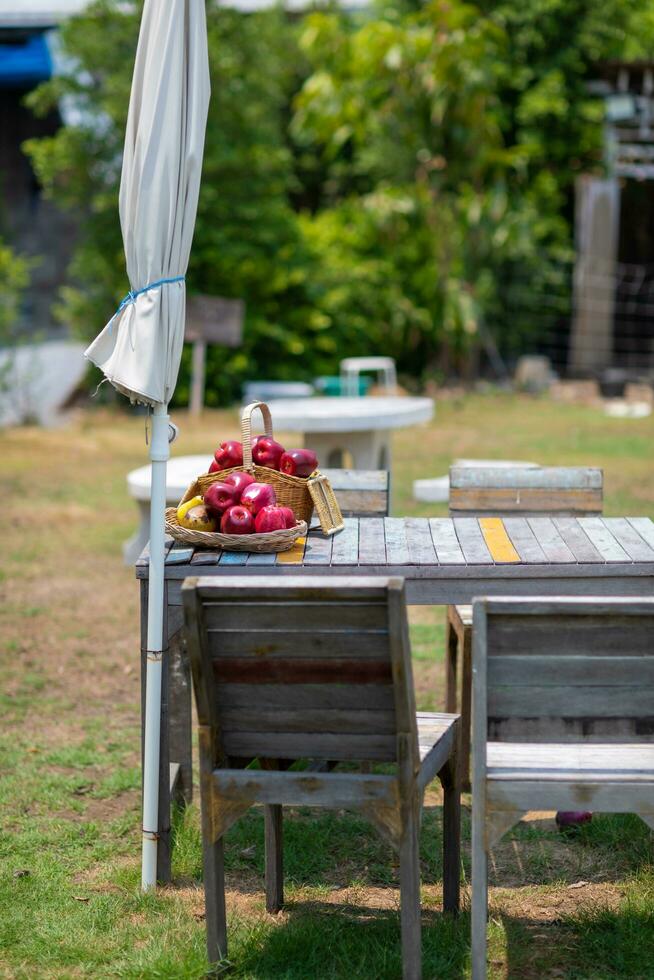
(159, 454)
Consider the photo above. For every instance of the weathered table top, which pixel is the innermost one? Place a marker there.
(447, 560)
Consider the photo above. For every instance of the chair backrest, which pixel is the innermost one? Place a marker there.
(564, 670)
(493, 491)
(301, 668)
(360, 493)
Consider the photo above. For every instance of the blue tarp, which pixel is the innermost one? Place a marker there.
(24, 64)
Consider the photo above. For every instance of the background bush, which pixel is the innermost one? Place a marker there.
(372, 181)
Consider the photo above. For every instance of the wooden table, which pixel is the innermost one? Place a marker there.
(443, 560)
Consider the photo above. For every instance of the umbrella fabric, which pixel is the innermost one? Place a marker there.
(139, 349)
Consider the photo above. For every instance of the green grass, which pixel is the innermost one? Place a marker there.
(70, 904)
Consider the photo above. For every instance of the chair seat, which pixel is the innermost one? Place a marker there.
(589, 762)
(436, 736)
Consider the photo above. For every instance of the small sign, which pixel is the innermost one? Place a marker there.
(214, 320)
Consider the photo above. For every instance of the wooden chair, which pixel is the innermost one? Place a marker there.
(515, 492)
(314, 668)
(361, 493)
(563, 693)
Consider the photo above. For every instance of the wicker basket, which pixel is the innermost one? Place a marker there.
(266, 542)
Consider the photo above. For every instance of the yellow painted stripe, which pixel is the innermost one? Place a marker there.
(497, 540)
(294, 555)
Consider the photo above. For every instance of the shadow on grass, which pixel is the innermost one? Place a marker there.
(590, 944)
(327, 941)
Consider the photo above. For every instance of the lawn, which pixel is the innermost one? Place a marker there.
(70, 904)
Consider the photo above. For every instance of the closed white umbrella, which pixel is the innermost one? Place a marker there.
(140, 348)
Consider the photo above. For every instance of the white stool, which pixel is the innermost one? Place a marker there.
(180, 473)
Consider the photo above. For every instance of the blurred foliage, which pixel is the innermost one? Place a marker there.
(14, 277)
(372, 180)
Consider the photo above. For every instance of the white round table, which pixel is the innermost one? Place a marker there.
(358, 427)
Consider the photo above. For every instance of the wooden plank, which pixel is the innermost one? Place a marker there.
(524, 540)
(570, 635)
(307, 644)
(419, 541)
(294, 555)
(204, 557)
(577, 540)
(372, 547)
(357, 721)
(531, 701)
(446, 543)
(268, 617)
(590, 671)
(497, 540)
(472, 541)
(262, 558)
(295, 587)
(291, 745)
(599, 534)
(582, 758)
(234, 558)
(629, 538)
(551, 542)
(302, 671)
(520, 477)
(397, 548)
(179, 554)
(526, 501)
(645, 528)
(527, 794)
(143, 559)
(279, 696)
(357, 480)
(304, 788)
(319, 548)
(345, 547)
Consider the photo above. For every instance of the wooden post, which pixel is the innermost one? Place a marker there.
(198, 367)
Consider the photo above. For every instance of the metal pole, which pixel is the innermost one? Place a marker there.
(159, 454)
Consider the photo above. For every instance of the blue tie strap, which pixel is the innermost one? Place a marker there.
(133, 293)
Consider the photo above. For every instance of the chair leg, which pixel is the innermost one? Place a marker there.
(214, 894)
(450, 781)
(466, 702)
(410, 897)
(451, 654)
(274, 857)
(479, 892)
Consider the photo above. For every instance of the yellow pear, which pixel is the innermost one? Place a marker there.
(193, 516)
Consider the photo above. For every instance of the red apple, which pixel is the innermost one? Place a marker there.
(229, 454)
(257, 496)
(237, 520)
(269, 519)
(267, 452)
(298, 462)
(214, 468)
(290, 519)
(219, 497)
(239, 481)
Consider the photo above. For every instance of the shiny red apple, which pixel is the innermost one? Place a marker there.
(257, 496)
(290, 519)
(239, 481)
(228, 454)
(214, 468)
(269, 519)
(267, 452)
(237, 520)
(298, 462)
(219, 497)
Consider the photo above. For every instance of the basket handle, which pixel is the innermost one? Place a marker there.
(246, 429)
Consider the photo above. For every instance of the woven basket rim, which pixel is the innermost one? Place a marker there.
(267, 541)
